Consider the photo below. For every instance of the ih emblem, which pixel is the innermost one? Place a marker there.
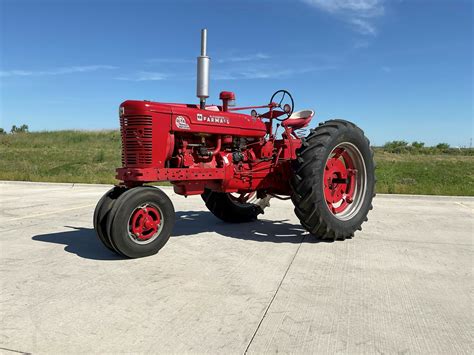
(181, 123)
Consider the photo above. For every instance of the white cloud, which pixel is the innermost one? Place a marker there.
(57, 71)
(364, 8)
(359, 13)
(270, 73)
(363, 26)
(227, 59)
(145, 76)
(244, 58)
(237, 72)
(171, 60)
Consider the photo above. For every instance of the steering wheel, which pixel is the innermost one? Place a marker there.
(286, 105)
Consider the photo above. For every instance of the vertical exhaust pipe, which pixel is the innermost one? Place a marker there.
(203, 62)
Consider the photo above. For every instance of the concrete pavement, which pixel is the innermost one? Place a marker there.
(402, 285)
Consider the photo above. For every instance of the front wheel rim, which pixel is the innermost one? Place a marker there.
(345, 181)
(145, 224)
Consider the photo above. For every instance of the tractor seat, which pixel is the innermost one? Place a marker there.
(298, 119)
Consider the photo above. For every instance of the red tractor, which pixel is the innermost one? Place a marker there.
(237, 162)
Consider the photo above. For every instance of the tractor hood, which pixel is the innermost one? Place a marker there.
(190, 118)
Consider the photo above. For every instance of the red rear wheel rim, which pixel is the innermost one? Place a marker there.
(145, 224)
(344, 181)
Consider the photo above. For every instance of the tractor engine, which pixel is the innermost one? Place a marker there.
(195, 149)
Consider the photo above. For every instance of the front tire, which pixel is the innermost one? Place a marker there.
(333, 181)
(141, 221)
(101, 213)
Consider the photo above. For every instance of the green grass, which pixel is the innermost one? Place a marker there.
(441, 174)
(92, 157)
(61, 156)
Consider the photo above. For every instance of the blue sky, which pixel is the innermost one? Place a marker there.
(399, 69)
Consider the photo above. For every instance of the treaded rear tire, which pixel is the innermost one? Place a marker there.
(221, 206)
(307, 182)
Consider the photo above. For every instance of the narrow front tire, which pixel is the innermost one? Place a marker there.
(141, 221)
(102, 212)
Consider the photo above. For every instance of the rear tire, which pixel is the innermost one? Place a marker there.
(225, 208)
(141, 221)
(333, 181)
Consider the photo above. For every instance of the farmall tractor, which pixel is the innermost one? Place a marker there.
(237, 162)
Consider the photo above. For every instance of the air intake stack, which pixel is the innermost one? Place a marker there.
(203, 61)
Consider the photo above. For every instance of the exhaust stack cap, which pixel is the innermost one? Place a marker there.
(203, 62)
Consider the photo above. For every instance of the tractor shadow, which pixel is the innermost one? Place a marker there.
(84, 243)
(80, 241)
(189, 223)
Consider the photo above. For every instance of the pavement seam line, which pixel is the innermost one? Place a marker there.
(463, 205)
(274, 296)
(14, 351)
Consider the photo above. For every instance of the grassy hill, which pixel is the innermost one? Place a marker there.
(91, 157)
(60, 156)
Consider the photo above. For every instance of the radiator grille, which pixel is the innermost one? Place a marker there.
(136, 140)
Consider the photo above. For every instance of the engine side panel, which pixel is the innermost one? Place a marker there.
(197, 149)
